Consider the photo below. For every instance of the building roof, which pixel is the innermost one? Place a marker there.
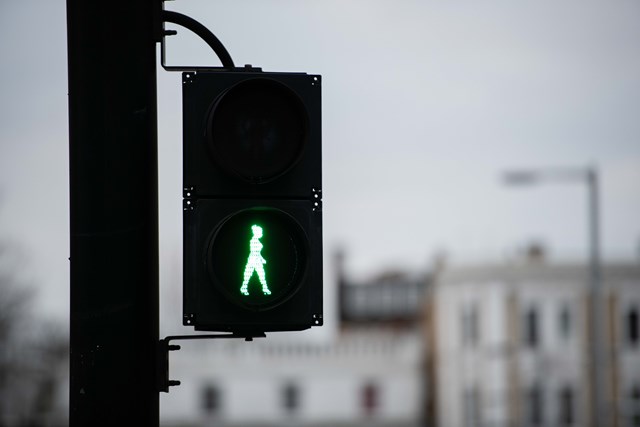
(536, 271)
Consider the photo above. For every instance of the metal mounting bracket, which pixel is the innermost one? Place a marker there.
(160, 33)
(164, 347)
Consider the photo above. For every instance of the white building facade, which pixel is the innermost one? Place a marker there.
(371, 373)
(365, 378)
(512, 345)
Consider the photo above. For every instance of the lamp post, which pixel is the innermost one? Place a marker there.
(589, 176)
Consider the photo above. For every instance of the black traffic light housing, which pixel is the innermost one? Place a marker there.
(252, 201)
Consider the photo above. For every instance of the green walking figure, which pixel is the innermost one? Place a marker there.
(255, 262)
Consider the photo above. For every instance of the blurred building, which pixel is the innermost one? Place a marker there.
(511, 344)
(489, 345)
(370, 374)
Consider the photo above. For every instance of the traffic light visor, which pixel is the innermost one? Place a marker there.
(257, 129)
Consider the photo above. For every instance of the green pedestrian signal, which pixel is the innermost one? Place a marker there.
(255, 263)
(257, 257)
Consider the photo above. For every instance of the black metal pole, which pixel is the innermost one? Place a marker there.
(113, 213)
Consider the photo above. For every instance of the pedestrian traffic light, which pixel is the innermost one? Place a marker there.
(252, 201)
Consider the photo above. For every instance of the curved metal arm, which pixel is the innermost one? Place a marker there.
(203, 32)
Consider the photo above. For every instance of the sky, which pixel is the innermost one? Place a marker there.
(425, 105)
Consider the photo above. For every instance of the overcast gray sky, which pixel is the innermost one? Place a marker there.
(425, 103)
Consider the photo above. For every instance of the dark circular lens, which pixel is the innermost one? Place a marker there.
(257, 129)
(257, 257)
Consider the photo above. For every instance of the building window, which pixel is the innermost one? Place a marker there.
(564, 322)
(470, 325)
(370, 398)
(290, 398)
(211, 399)
(565, 406)
(633, 327)
(471, 407)
(535, 406)
(531, 328)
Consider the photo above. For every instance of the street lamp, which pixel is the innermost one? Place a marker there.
(590, 177)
